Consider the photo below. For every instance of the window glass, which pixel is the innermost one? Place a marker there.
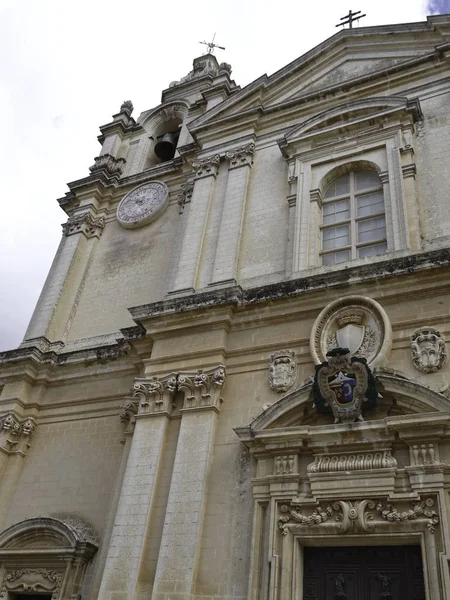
(370, 230)
(339, 187)
(336, 257)
(336, 211)
(366, 180)
(370, 204)
(372, 250)
(336, 237)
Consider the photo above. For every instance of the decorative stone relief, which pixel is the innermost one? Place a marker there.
(202, 388)
(185, 196)
(32, 580)
(424, 454)
(282, 370)
(326, 463)
(168, 113)
(108, 165)
(428, 350)
(143, 205)
(240, 157)
(207, 166)
(359, 515)
(15, 434)
(204, 65)
(342, 385)
(85, 224)
(285, 465)
(357, 323)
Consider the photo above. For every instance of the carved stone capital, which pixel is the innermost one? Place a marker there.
(241, 157)
(128, 412)
(184, 197)
(16, 434)
(155, 395)
(203, 388)
(207, 167)
(108, 165)
(168, 113)
(85, 224)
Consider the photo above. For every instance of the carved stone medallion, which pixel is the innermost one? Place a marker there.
(428, 350)
(143, 204)
(354, 322)
(282, 370)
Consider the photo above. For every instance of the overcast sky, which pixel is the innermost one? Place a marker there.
(66, 67)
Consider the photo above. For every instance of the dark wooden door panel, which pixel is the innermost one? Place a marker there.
(363, 573)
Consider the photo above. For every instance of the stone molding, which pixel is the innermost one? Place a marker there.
(184, 197)
(428, 349)
(16, 434)
(154, 396)
(363, 516)
(240, 157)
(206, 167)
(409, 171)
(355, 461)
(85, 224)
(108, 165)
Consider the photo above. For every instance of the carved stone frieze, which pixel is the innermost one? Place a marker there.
(241, 157)
(16, 434)
(285, 464)
(361, 461)
(185, 196)
(357, 323)
(108, 165)
(85, 224)
(358, 516)
(282, 370)
(32, 581)
(143, 205)
(207, 166)
(428, 350)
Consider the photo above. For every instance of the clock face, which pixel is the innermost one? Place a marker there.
(143, 204)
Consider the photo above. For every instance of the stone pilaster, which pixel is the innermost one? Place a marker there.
(175, 574)
(197, 220)
(59, 295)
(148, 412)
(227, 252)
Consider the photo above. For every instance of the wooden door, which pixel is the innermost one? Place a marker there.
(363, 573)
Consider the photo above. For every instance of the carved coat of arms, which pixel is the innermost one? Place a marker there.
(282, 370)
(428, 350)
(343, 385)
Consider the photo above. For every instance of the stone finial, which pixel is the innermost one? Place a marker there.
(224, 68)
(127, 106)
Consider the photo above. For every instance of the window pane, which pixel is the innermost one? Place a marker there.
(338, 187)
(372, 250)
(371, 229)
(336, 237)
(336, 257)
(370, 204)
(335, 211)
(366, 180)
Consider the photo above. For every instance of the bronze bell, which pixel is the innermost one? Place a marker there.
(165, 148)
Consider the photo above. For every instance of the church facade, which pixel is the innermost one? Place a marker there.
(235, 384)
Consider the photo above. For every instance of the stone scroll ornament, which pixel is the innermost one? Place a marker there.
(428, 350)
(282, 370)
(344, 386)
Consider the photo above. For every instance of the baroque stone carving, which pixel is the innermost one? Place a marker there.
(16, 434)
(285, 465)
(359, 515)
(241, 156)
(127, 106)
(342, 385)
(85, 224)
(207, 166)
(168, 113)
(428, 350)
(361, 461)
(108, 165)
(32, 580)
(357, 323)
(423, 454)
(282, 370)
(204, 65)
(185, 196)
(143, 204)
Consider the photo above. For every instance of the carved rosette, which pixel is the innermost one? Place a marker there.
(85, 224)
(428, 350)
(16, 434)
(357, 323)
(108, 165)
(207, 167)
(241, 157)
(363, 516)
(282, 370)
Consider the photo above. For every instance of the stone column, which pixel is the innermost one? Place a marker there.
(148, 411)
(53, 309)
(197, 221)
(181, 539)
(227, 251)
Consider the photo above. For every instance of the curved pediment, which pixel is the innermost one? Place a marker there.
(399, 396)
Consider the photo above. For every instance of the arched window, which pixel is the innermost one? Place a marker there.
(353, 219)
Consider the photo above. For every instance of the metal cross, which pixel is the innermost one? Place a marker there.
(212, 45)
(348, 19)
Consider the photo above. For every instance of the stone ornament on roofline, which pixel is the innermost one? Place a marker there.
(428, 350)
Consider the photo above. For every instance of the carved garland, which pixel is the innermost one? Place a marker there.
(32, 580)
